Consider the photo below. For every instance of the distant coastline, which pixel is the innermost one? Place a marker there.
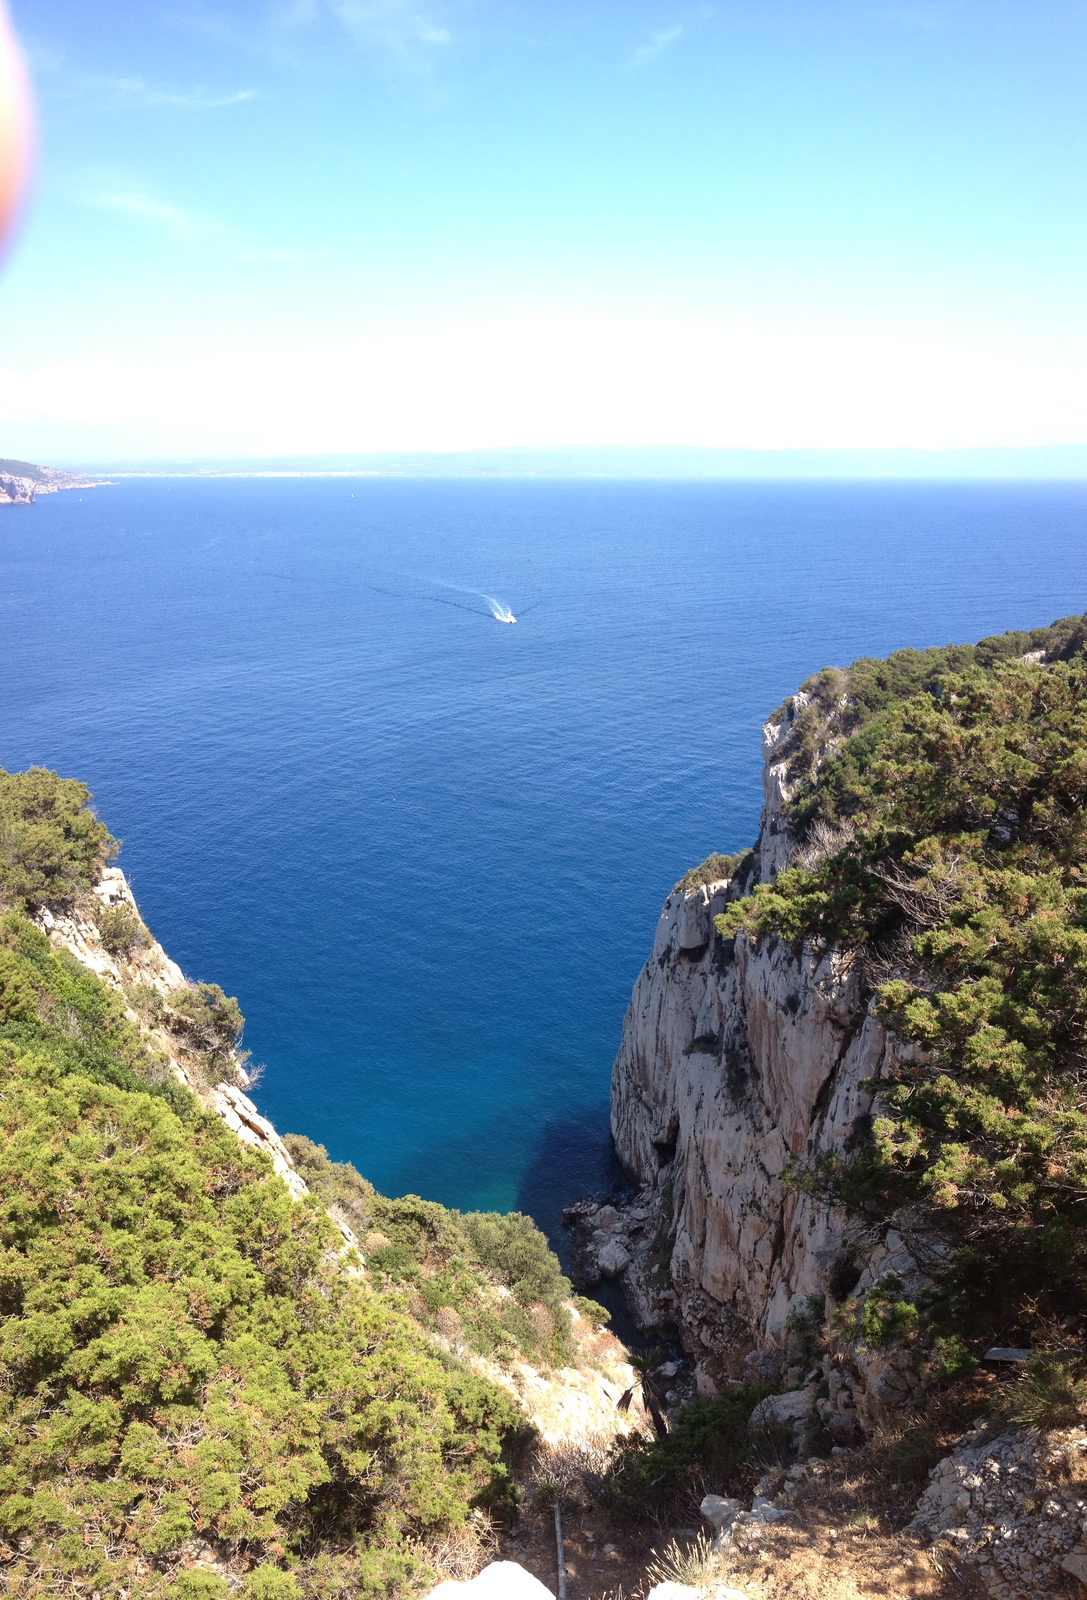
(21, 482)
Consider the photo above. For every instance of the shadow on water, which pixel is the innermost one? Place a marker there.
(576, 1156)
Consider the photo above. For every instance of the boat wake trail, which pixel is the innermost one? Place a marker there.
(498, 609)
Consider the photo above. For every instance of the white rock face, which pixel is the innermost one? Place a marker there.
(242, 1117)
(785, 1410)
(19, 490)
(149, 965)
(737, 1060)
(16, 491)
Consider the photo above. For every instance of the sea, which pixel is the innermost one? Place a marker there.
(426, 848)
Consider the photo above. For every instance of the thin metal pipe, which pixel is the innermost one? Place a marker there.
(561, 1551)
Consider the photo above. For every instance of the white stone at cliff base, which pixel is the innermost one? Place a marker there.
(502, 1580)
(783, 1410)
(721, 1515)
(612, 1259)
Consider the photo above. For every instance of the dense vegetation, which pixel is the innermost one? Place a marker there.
(944, 843)
(715, 868)
(52, 846)
(448, 1264)
(710, 1442)
(196, 1378)
(55, 1009)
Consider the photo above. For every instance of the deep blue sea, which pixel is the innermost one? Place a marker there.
(426, 850)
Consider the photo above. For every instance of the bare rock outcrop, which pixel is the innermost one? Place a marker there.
(741, 1066)
(15, 491)
(1013, 1506)
(145, 966)
(21, 482)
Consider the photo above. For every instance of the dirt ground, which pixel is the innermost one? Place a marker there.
(830, 1552)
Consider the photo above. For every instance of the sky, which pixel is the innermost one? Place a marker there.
(269, 227)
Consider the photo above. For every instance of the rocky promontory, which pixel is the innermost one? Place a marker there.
(21, 482)
(849, 1094)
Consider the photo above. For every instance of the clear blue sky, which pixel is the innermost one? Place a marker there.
(325, 225)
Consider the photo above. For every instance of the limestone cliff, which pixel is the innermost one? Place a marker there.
(739, 1061)
(21, 482)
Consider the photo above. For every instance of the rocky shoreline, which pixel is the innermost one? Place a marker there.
(21, 482)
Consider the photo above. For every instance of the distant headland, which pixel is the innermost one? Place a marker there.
(21, 482)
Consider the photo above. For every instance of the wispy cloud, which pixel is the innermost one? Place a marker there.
(188, 227)
(138, 94)
(924, 19)
(654, 45)
(403, 31)
(397, 25)
(663, 38)
(129, 93)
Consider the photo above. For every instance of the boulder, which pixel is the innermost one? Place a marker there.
(790, 1410)
(612, 1258)
(502, 1580)
(721, 1514)
(1076, 1564)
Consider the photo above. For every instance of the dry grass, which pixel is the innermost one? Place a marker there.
(571, 1473)
(690, 1561)
(463, 1553)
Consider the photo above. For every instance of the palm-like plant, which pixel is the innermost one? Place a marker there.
(646, 1384)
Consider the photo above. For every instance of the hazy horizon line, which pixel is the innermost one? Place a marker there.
(1008, 462)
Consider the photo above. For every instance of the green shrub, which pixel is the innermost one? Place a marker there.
(715, 867)
(335, 1183)
(52, 846)
(146, 1001)
(51, 1004)
(960, 887)
(1052, 1391)
(197, 1585)
(453, 1260)
(513, 1247)
(121, 929)
(710, 1441)
(182, 1356)
(889, 1317)
(208, 1020)
(592, 1310)
(271, 1583)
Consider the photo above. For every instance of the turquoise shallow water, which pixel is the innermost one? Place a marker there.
(426, 850)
